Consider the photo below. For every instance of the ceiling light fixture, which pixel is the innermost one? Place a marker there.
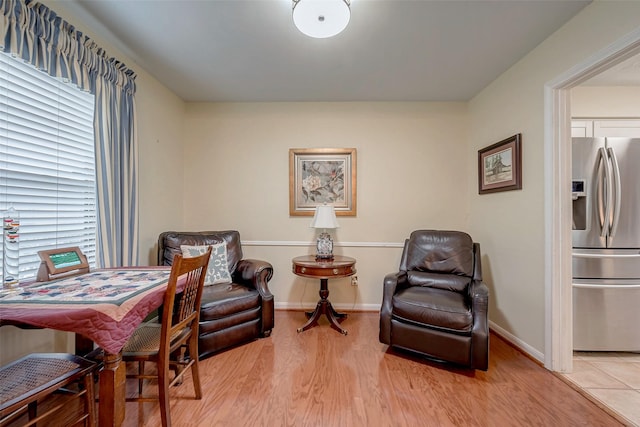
(321, 18)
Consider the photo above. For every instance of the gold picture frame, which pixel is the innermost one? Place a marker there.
(322, 175)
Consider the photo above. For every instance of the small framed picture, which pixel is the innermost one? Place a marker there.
(500, 166)
(322, 175)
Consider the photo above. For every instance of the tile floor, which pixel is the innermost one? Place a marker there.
(613, 378)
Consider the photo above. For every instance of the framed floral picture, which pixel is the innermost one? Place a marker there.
(322, 175)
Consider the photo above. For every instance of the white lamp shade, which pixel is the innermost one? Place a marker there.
(325, 217)
(321, 18)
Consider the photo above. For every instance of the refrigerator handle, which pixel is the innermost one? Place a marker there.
(604, 191)
(618, 192)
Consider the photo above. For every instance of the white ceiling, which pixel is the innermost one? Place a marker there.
(392, 50)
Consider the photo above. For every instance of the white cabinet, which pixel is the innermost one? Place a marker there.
(581, 128)
(629, 128)
(625, 128)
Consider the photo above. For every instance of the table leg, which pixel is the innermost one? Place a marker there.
(313, 317)
(324, 307)
(112, 391)
(335, 318)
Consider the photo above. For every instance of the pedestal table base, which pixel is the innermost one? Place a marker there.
(324, 307)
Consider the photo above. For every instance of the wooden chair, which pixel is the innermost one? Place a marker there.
(165, 343)
(31, 380)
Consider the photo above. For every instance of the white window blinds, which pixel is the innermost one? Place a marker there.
(47, 166)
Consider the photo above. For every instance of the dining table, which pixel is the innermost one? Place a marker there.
(104, 306)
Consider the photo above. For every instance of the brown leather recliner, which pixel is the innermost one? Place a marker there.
(437, 303)
(230, 313)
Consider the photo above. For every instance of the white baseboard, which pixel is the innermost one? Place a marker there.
(517, 342)
(338, 306)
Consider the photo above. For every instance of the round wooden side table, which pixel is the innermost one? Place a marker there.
(324, 269)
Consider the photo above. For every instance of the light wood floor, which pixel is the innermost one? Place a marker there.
(322, 378)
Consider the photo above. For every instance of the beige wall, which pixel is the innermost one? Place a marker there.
(160, 140)
(409, 176)
(511, 225)
(605, 101)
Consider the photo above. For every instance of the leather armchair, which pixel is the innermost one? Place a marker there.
(436, 304)
(230, 313)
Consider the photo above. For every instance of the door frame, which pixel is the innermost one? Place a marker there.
(558, 354)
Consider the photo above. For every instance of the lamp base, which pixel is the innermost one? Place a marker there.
(324, 247)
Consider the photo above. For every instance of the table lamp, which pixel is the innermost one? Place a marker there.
(324, 218)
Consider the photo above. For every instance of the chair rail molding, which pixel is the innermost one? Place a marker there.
(313, 243)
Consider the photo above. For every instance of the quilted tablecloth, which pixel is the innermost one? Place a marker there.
(105, 306)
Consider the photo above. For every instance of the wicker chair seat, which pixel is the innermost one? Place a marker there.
(25, 381)
(146, 340)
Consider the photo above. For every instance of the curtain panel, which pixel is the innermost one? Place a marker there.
(37, 35)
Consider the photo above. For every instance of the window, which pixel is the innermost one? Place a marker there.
(47, 163)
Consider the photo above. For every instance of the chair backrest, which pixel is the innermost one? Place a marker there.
(169, 243)
(187, 274)
(444, 259)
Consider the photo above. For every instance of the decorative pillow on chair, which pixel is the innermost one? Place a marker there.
(218, 270)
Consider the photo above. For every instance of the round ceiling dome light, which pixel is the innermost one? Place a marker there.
(321, 18)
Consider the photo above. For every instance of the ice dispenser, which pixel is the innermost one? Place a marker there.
(578, 195)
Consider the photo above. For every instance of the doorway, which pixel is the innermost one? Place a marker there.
(558, 210)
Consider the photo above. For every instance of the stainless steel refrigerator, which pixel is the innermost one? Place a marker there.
(606, 244)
